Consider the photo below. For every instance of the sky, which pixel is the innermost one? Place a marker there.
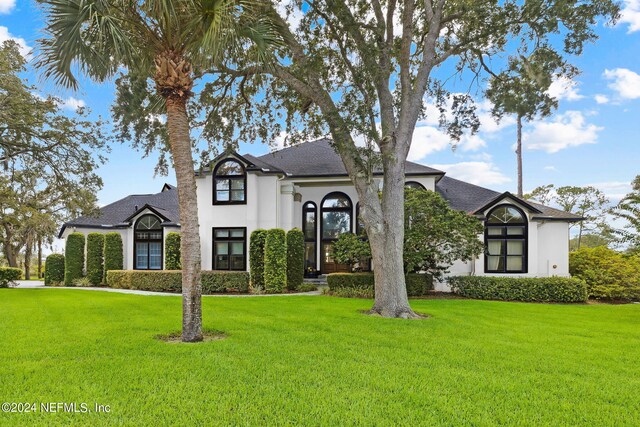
(592, 139)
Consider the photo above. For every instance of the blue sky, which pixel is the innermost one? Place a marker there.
(593, 138)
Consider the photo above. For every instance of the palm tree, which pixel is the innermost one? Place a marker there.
(162, 40)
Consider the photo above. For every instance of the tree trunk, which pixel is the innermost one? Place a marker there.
(387, 246)
(39, 257)
(179, 139)
(519, 155)
(10, 252)
(27, 260)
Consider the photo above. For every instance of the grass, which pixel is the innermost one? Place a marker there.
(317, 361)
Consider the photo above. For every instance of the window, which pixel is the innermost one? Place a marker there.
(506, 240)
(230, 249)
(414, 184)
(336, 216)
(147, 245)
(229, 183)
(310, 230)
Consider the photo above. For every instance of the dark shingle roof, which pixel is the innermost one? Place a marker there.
(467, 197)
(117, 214)
(319, 158)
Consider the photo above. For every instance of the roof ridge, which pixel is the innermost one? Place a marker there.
(292, 146)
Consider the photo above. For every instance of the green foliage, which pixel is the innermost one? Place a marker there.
(275, 261)
(295, 258)
(83, 282)
(256, 258)
(354, 292)
(417, 284)
(608, 274)
(50, 154)
(536, 289)
(95, 258)
(54, 270)
(628, 210)
(113, 252)
(171, 281)
(352, 250)
(172, 251)
(591, 240)
(9, 275)
(74, 258)
(435, 235)
(306, 287)
(225, 281)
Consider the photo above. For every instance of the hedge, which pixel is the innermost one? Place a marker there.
(607, 273)
(172, 251)
(225, 281)
(275, 261)
(532, 289)
(256, 258)
(9, 275)
(95, 258)
(113, 252)
(171, 280)
(295, 258)
(417, 284)
(73, 258)
(54, 270)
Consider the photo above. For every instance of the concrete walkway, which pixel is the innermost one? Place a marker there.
(26, 284)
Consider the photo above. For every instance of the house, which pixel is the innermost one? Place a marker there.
(307, 186)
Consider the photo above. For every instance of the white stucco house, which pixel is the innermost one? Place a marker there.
(306, 186)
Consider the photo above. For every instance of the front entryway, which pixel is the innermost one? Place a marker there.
(328, 265)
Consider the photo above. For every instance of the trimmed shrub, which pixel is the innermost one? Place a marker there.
(224, 281)
(95, 259)
(82, 282)
(113, 253)
(607, 273)
(307, 287)
(256, 258)
(54, 271)
(73, 258)
(275, 261)
(355, 292)
(171, 280)
(417, 284)
(532, 289)
(295, 258)
(9, 275)
(172, 251)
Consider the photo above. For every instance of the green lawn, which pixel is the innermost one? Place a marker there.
(318, 361)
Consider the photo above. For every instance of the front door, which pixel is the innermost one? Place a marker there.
(328, 264)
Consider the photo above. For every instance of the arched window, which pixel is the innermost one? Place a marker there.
(147, 243)
(229, 183)
(506, 240)
(336, 212)
(310, 230)
(414, 184)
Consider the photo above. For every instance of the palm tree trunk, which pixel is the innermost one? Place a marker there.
(27, 260)
(519, 154)
(180, 142)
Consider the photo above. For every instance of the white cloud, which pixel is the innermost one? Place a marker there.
(72, 103)
(5, 35)
(566, 130)
(630, 15)
(6, 6)
(614, 190)
(479, 173)
(290, 13)
(427, 140)
(471, 143)
(564, 89)
(601, 99)
(624, 81)
(550, 168)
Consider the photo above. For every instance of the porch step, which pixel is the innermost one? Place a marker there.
(320, 280)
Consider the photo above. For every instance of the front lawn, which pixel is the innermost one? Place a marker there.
(318, 361)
